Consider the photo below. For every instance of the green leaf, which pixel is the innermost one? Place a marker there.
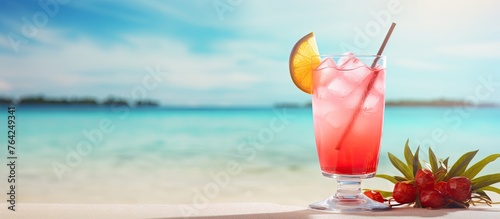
(461, 164)
(416, 163)
(387, 177)
(426, 165)
(476, 168)
(433, 161)
(408, 155)
(491, 188)
(400, 179)
(385, 194)
(443, 168)
(405, 170)
(482, 194)
(445, 163)
(483, 181)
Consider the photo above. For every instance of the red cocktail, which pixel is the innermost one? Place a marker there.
(348, 109)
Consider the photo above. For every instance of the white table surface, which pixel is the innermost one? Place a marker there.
(226, 210)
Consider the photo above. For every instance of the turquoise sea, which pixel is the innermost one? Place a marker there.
(179, 155)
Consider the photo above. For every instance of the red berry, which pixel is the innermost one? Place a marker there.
(424, 180)
(459, 188)
(404, 192)
(374, 195)
(432, 199)
(441, 187)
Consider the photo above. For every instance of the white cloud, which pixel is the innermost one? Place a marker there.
(205, 81)
(446, 15)
(251, 61)
(83, 65)
(478, 50)
(420, 64)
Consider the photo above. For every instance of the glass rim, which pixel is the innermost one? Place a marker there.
(381, 60)
(357, 56)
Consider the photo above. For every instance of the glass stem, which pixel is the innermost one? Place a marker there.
(349, 188)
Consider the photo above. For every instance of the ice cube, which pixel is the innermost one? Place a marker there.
(327, 63)
(326, 111)
(349, 60)
(322, 93)
(340, 87)
(353, 101)
(323, 77)
(346, 58)
(335, 119)
(355, 70)
(318, 107)
(324, 73)
(357, 75)
(371, 101)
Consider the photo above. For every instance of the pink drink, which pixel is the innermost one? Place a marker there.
(338, 90)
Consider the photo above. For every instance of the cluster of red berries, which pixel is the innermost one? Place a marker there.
(432, 194)
(438, 186)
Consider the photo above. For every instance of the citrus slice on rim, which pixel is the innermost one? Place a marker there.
(303, 59)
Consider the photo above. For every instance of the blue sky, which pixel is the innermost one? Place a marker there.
(235, 52)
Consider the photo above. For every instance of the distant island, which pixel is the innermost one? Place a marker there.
(40, 100)
(292, 105)
(405, 103)
(89, 101)
(436, 103)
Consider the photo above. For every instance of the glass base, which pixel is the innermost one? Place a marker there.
(361, 203)
(349, 197)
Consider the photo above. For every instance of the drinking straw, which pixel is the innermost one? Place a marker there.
(369, 87)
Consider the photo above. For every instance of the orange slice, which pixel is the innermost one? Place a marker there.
(303, 59)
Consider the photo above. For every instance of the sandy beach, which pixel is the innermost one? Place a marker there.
(188, 162)
(254, 210)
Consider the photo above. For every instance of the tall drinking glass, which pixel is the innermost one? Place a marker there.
(348, 110)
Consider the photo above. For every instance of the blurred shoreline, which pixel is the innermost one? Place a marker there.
(40, 100)
(408, 103)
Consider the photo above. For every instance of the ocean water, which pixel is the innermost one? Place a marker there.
(182, 156)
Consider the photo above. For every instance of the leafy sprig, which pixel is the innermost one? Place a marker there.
(443, 172)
